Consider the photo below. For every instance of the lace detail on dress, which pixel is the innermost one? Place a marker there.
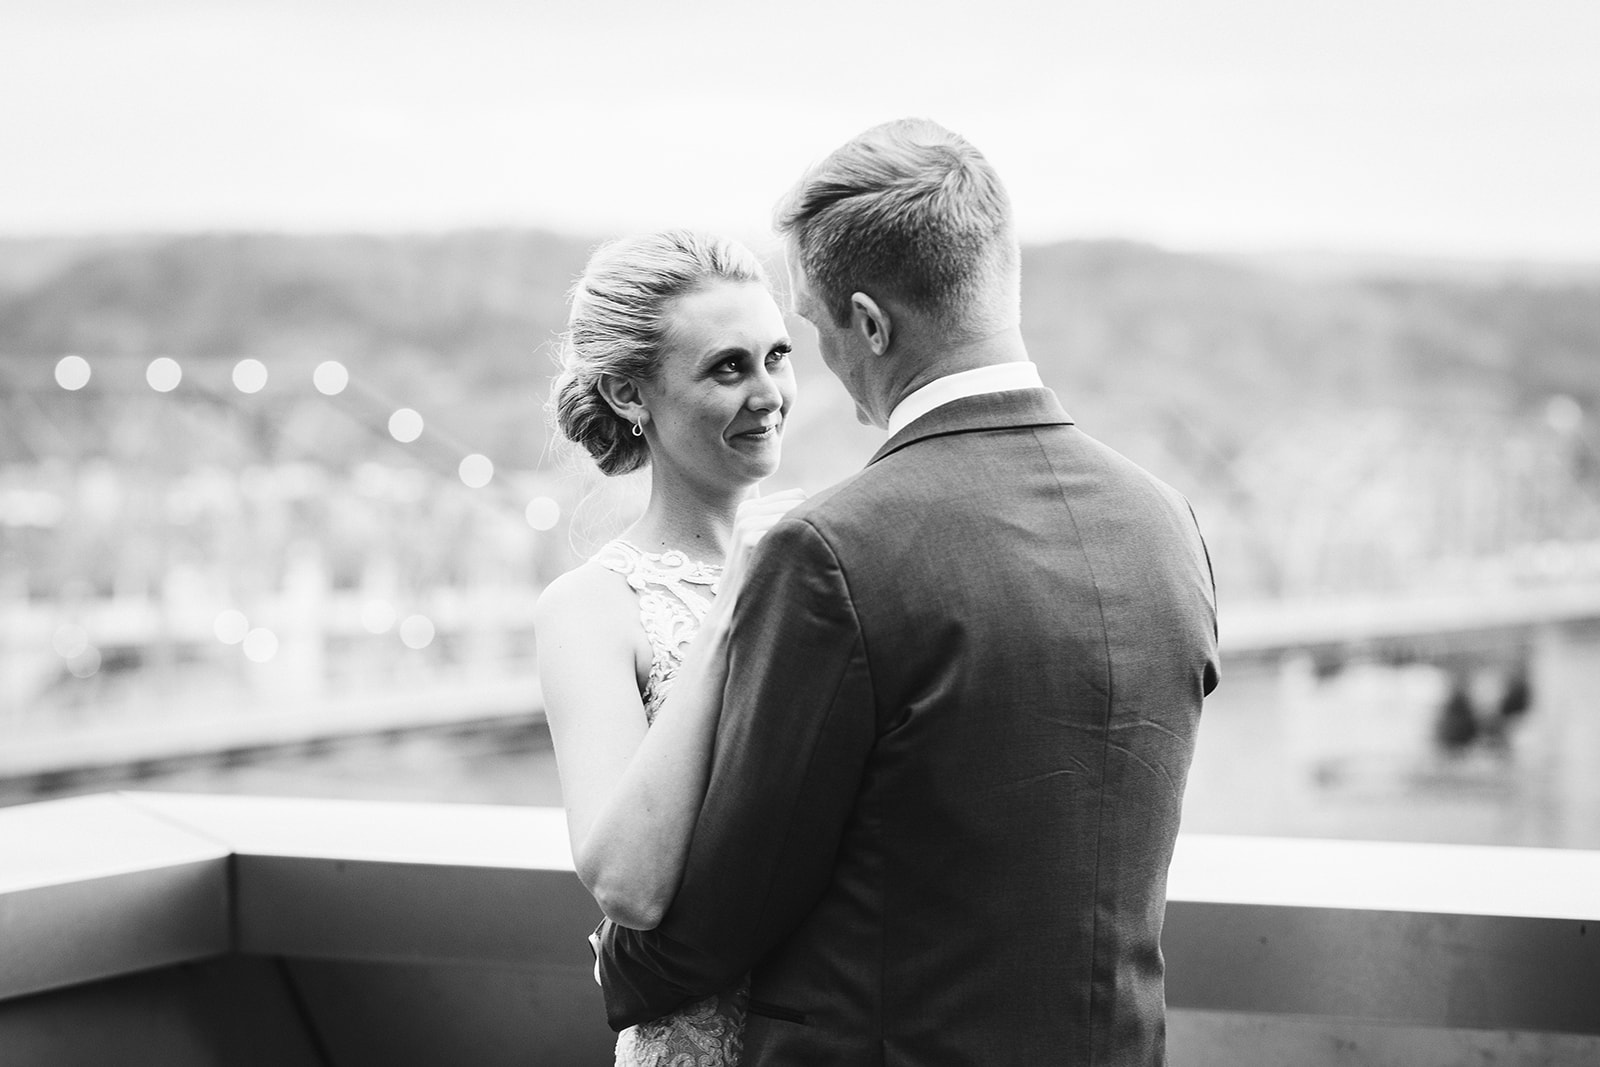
(675, 592)
(707, 1033)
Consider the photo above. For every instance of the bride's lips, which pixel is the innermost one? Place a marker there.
(758, 433)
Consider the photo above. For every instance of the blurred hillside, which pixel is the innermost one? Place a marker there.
(1365, 427)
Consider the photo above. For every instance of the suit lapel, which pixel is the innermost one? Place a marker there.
(986, 411)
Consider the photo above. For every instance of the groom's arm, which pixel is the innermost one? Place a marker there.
(797, 724)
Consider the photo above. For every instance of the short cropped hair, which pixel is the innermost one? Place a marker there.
(621, 310)
(907, 209)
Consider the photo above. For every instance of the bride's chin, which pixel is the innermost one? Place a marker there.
(764, 466)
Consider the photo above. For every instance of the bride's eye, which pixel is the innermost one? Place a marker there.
(779, 353)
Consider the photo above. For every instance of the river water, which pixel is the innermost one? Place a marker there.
(1287, 748)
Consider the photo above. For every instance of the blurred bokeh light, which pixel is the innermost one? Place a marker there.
(163, 374)
(405, 425)
(249, 376)
(330, 377)
(72, 372)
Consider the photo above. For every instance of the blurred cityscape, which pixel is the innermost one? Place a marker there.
(274, 511)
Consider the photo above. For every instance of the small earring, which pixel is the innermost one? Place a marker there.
(638, 428)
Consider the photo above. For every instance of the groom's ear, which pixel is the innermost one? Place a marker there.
(871, 320)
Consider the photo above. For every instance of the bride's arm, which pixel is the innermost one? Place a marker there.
(631, 793)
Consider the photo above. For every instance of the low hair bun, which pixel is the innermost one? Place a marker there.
(584, 418)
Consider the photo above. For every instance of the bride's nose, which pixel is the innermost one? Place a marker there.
(764, 393)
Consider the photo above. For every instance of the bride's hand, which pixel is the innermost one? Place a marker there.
(754, 518)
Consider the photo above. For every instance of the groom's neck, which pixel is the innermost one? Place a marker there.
(926, 359)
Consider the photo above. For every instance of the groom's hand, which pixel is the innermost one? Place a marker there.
(754, 518)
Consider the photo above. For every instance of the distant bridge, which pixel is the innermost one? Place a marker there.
(1415, 624)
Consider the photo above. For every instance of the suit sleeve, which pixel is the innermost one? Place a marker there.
(796, 728)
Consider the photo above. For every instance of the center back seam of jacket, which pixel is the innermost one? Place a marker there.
(1099, 823)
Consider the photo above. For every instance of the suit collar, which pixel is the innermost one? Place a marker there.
(986, 411)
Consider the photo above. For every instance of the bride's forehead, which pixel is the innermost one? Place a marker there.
(723, 313)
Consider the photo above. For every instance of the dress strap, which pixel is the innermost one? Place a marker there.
(672, 569)
(675, 592)
(619, 556)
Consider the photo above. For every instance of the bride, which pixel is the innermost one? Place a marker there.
(676, 356)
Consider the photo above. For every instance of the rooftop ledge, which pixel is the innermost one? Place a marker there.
(95, 888)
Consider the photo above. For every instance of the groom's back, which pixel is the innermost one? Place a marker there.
(1039, 629)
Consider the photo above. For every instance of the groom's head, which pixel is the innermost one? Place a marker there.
(900, 244)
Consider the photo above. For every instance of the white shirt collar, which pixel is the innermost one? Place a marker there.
(995, 378)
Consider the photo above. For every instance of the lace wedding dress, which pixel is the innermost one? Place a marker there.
(675, 593)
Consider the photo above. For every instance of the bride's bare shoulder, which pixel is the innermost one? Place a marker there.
(588, 595)
(586, 619)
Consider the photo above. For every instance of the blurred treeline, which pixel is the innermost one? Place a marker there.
(1340, 426)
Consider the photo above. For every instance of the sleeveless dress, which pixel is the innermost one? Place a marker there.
(675, 593)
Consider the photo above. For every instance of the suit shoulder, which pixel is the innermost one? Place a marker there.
(1123, 466)
(839, 500)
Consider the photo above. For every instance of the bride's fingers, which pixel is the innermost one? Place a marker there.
(777, 503)
(759, 522)
(752, 531)
(768, 509)
(755, 517)
(789, 496)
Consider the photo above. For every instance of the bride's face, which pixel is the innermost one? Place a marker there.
(723, 386)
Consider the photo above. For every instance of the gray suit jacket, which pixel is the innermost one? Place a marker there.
(962, 703)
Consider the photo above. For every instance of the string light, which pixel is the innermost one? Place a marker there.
(249, 375)
(85, 664)
(416, 632)
(230, 626)
(330, 377)
(260, 645)
(163, 374)
(405, 426)
(72, 372)
(70, 640)
(542, 513)
(1563, 414)
(476, 471)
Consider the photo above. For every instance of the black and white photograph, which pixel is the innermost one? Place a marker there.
(717, 535)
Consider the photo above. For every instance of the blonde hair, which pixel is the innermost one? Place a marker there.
(620, 312)
(907, 209)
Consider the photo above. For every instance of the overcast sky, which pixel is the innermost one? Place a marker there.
(1438, 127)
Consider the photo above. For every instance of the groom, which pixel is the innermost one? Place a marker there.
(964, 683)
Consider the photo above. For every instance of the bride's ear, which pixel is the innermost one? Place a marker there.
(622, 394)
